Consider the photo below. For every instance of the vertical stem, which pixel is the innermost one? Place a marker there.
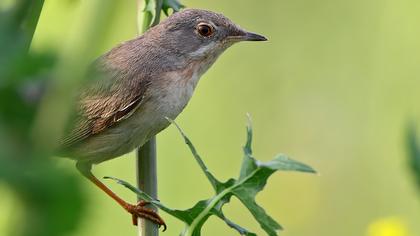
(24, 16)
(31, 21)
(147, 181)
(146, 167)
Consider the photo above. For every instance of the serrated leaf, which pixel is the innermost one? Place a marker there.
(149, 15)
(149, 6)
(241, 230)
(152, 9)
(175, 5)
(252, 179)
(248, 162)
(181, 215)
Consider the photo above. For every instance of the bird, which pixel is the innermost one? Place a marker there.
(132, 89)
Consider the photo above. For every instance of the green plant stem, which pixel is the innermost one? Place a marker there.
(30, 22)
(23, 17)
(147, 181)
(146, 167)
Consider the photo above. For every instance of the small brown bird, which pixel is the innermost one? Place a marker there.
(136, 85)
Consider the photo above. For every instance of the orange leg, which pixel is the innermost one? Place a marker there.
(135, 210)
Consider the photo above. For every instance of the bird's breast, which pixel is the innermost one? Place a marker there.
(172, 92)
(165, 98)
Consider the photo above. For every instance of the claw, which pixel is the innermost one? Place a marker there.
(134, 219)
(143, 203)
(140, 211)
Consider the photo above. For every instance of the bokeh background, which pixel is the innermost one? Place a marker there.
(335, 87)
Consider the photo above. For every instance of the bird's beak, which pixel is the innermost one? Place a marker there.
(253, 37)
(247, 36)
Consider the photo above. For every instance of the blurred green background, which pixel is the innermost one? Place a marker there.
(334, 88)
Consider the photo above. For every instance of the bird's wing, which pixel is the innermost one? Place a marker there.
(111, 97)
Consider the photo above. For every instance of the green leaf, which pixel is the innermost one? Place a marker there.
(150, 6)
(241, 230)
(153, 8)
(175, 5)
(149, 14)
(252, 180)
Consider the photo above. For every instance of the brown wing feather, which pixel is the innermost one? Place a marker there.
(112, 97)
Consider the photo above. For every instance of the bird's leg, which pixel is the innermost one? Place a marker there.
(136, 211)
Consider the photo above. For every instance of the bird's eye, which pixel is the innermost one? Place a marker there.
(205, 30)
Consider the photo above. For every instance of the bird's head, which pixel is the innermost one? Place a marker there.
(198, 33)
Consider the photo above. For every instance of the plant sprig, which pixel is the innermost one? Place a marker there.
(252, 179)
(153, 8)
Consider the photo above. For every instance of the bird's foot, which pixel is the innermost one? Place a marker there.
(140, 211)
